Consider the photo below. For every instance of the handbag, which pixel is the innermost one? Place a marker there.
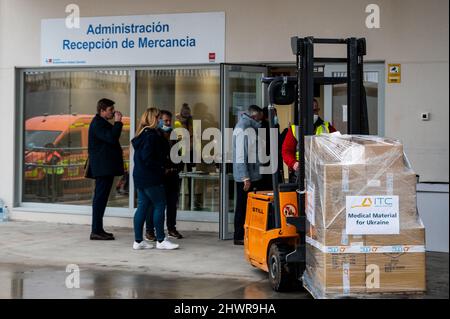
(87, 169)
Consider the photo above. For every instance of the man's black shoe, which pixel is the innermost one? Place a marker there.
(107, 234)
(100, 237)
(174, 234)
(150, 235)
(238, 242)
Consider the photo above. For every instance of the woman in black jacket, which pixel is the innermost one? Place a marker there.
(151, 152)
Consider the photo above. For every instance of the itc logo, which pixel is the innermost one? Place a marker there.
(367, 202)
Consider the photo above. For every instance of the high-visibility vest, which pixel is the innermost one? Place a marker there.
(33, 173)
(324, 128)
(73, 168)
(59, 170)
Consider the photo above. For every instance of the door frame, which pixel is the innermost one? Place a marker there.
(225, 70)
(368, 66)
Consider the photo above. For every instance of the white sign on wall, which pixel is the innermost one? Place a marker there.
(186, 38)
(372, 215)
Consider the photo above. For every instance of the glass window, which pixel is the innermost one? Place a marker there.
(58, 108)
(70, 140)
(339, 102)
(199, 88)
(38, 138)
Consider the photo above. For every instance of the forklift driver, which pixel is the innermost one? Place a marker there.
(289, 148)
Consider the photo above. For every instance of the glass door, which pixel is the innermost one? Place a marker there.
(197, 89)
(335, 104)
(240, 87)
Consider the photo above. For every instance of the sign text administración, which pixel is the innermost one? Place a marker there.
(142, 42)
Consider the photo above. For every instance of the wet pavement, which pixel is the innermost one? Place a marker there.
(24, 281)
(18, 281)
(34, 257)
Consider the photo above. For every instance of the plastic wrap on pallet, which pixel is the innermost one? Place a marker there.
(341, 264)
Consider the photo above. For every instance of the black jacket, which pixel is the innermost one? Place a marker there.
(105, 152)
(151, 151)
(172, 169)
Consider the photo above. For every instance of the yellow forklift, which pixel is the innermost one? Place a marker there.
(275, 224)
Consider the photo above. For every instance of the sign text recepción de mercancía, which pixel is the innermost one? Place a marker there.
(127, 43)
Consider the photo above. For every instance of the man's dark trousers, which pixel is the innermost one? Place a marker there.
(172, 187)
(103, 185)
(241, 207)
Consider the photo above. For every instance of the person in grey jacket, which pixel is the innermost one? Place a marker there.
(245, 165)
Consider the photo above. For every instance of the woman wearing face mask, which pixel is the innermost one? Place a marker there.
(151, 152)
(172, 183)
(289, 147)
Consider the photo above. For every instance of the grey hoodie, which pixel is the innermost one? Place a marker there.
(245, 150)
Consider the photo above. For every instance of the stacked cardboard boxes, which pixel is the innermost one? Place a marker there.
(344, 263)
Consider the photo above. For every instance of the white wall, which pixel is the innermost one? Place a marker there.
(432, 204)
(413, 32)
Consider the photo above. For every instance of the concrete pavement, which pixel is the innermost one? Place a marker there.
(34, 257)
(200, 255)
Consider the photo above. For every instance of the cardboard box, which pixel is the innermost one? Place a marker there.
(398, 273)
(385, 154)
(402, 184)
(343, 166)
(336, 182)
(340, 274)
(334, 237)
(414, 236)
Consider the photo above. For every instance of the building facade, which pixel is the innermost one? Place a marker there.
(256, 38)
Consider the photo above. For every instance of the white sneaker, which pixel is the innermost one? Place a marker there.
(166, 245)
(142, 245)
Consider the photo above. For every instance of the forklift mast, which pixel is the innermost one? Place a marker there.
(299, 89)
(303, 49)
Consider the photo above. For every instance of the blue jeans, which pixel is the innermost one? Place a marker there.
(152, 202)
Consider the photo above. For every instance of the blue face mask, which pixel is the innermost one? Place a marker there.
(275, 120)
(166, 129)
(160, 124)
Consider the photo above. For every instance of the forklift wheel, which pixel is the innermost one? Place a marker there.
(280, 277)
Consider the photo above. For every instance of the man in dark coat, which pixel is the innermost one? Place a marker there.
(105, 161)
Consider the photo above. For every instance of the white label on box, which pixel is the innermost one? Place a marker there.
(346, 278)
(372, 215)
(310, 205)
(389, 183)
(344, 238)
(374, 183)
(345, 173)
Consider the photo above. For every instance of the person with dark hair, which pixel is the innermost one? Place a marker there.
(150, 158)
(172, 183)
(245, 170)
(105, 161)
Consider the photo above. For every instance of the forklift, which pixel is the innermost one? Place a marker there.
(276, 223)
